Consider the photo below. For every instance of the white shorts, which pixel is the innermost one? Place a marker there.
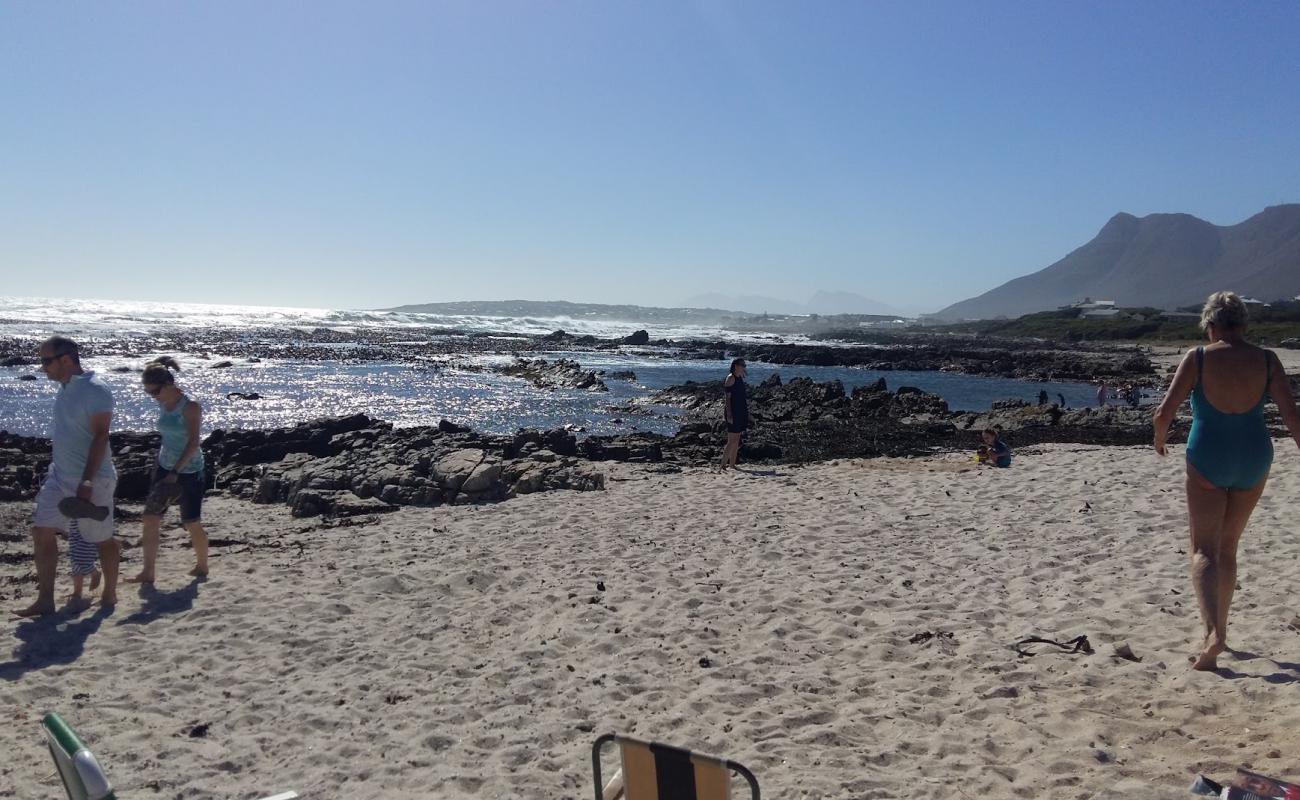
(55, 489)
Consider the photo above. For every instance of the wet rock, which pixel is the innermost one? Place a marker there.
(559, 374)
(221, 365)
(637, 338)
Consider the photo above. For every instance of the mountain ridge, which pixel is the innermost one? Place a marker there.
(1164, 260)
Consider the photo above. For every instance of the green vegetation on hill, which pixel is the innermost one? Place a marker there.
(1268, 325)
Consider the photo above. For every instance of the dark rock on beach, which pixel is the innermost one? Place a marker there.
(562, 373)
(1028, 360)
(339, 466)
(373, 462)
(802, 420)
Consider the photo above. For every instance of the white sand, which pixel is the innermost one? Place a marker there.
(455, 652)
(1167, 357)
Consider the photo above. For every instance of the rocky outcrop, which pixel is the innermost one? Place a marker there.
(370, 460)
(340, 466)
(1032, 361)
(562, 373)
(804, 421)
(24, 460)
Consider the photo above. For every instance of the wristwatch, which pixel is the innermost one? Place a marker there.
(88, 484)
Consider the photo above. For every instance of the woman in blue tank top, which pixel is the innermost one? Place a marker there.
(178, 475)
(1229, 452)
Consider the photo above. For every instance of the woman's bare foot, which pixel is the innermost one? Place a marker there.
(143, 577)
(199, 572)
(1207, 661)
(108, 600)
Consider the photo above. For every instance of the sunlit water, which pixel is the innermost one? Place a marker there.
(295, 391)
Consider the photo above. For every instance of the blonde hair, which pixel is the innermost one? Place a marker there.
(1225, 311)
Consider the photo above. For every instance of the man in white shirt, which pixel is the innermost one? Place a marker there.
(82, 468)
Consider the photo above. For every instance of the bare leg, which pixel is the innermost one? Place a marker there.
(199, 538)
(76, 603)
(731, 451)
(149, 542)
(1241, 503)
(45, 550)
(109, 556)
(1206, 506)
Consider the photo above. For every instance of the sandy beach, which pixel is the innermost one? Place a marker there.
(845, 629)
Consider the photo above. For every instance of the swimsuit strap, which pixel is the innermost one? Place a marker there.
(1268, 375)
(1200, 364)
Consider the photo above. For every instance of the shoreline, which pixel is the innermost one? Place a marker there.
(467, 651)
(1031, 360)
(359, 464)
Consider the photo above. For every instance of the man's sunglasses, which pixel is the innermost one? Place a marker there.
(48, 360)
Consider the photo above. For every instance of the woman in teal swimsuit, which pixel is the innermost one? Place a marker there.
(1229, 452)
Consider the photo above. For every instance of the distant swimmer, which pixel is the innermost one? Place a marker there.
(1229, 452)
(735, 409)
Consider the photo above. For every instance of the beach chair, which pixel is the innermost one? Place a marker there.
(82, 777)
(654, 771)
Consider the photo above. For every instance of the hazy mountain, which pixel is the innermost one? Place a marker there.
(821, 302)
(563, 308)
(747, 303)
(1161, 260)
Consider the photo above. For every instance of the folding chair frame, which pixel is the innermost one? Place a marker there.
(60, 736)
(739, 769)
(64, 744)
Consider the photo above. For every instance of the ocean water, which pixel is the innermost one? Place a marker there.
(296, 390)
(37, 316)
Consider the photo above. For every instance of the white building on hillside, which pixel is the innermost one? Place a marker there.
(1096, 309)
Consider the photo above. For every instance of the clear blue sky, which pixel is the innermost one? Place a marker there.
(369, 154)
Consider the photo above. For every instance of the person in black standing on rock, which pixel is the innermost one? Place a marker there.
(735, 408)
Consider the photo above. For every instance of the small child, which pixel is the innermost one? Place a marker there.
(994, 451)
(83, 556)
